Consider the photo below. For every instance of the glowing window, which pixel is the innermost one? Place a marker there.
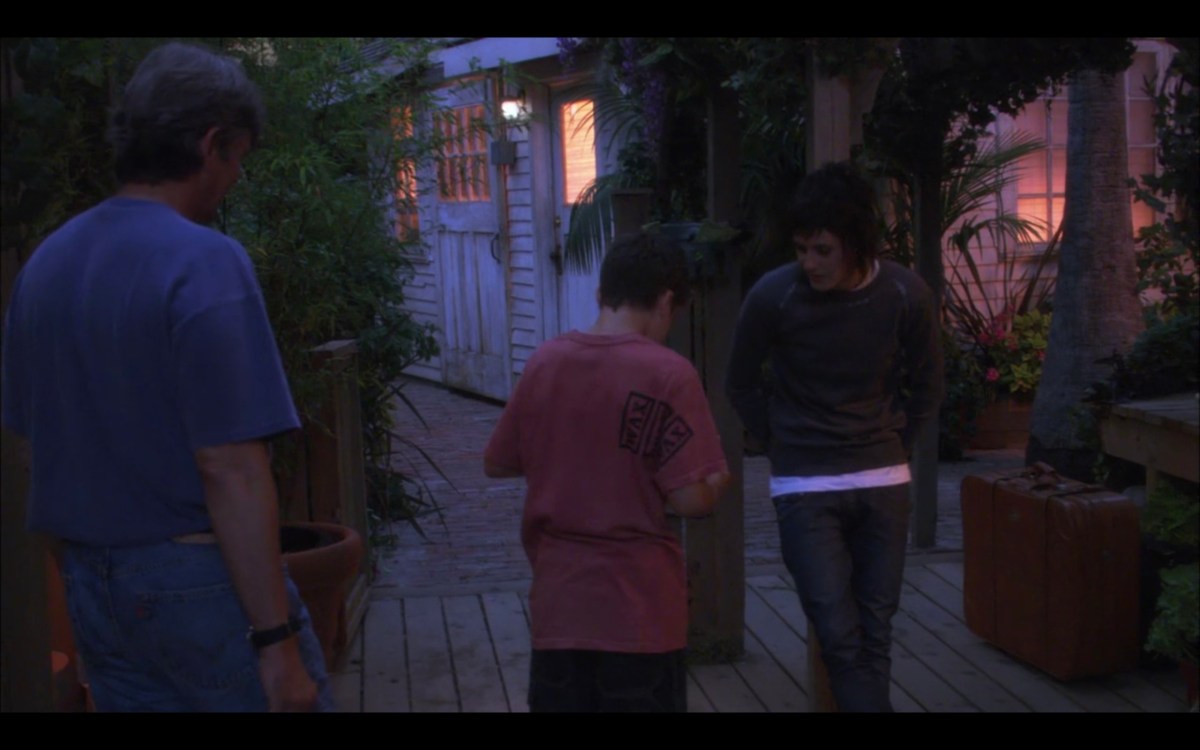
(1042, 181)
(576, 120)
(463, 170)
(407, 218)
(1140, 84)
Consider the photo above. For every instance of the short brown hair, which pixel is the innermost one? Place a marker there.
(639, 268)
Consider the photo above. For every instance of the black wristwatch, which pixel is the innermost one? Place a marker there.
(260, 639)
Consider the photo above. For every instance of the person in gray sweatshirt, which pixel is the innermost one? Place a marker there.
(855, 372)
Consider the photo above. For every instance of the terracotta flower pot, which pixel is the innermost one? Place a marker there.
(322, 559)
(1004, 423)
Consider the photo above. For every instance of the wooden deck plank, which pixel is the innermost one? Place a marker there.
(980, 690)
(346, 685)
(431, 675)
(929, 690)
(412, 650)
(1168, 679)
(480, 687)
(951, 572)
(1089, 694)
(1145, 695)
(1038, 691)
(779, 594)
(778, 636)
(775, 688)
(346, 689)
(385, 663)
(509, 628)
(726, 689)
(697, 701)
(902, 702)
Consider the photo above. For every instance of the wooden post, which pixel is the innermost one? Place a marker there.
(835, 108)
(716, 545)
(631, 209)
(25, 667)
(25, 660)
(335, 465)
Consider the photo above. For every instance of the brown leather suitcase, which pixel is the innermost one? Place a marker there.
(1050, 570)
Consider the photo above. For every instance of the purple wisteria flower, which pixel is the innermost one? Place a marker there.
(567, 46)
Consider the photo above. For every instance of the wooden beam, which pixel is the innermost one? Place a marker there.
(1160, 434)
(834, 110)
(25, 661)
(716, 545)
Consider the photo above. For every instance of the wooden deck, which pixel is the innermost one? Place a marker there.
(469, 652)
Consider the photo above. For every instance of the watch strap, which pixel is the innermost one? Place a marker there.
(260, 639)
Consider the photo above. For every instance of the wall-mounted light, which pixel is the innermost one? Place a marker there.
(512, 106)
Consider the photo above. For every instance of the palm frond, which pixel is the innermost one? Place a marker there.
(591, 224)
(997, 165)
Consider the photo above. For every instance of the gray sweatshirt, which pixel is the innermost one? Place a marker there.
(853, 373)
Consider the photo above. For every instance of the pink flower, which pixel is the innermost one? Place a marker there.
(1041, 355)
(992, 375)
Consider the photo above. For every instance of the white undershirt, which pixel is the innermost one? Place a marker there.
(882, 477)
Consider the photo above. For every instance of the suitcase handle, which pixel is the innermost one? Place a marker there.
(1044, 475)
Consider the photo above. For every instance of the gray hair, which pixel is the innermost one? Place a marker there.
(179, 92)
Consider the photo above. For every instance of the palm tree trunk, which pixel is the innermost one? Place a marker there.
(1096, 307)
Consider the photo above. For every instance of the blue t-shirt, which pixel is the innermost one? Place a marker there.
(135, 337)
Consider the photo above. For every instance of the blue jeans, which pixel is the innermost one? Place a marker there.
(159, 628)
(845, 551)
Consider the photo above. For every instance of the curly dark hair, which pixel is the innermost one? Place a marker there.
(178, 92)
(638, 268)
(837, 199)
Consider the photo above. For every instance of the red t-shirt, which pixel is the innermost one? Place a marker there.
(603, 428)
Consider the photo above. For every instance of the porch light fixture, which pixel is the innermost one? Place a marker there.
(512, 106)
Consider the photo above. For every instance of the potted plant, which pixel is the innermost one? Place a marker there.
(1010, 353)
(1171, 522)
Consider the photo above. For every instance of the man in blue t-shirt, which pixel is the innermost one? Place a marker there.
(140, 366)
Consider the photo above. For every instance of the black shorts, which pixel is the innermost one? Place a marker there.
(606, 681)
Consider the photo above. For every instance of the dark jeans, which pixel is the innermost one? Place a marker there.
(160, 628)
(602, 681)
(846, 551)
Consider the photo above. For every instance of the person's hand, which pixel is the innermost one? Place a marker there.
(284, 678)
(719, 482)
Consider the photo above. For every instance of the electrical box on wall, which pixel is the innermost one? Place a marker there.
(504, 153)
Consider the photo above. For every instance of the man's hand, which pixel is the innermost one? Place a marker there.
(284, 678)
(240, 494)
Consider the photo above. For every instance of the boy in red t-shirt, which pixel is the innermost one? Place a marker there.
(610, 428)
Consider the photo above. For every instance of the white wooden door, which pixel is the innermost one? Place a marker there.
(475, 354)
(575, 163)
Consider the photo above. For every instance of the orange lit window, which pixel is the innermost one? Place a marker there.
(1042, 181)
(1139, 120)
(578, 147)
(407, 222)
(1041, 185)
(463, 171)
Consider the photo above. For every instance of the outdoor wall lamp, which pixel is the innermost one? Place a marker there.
(512, 106)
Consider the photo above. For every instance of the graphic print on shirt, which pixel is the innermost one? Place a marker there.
(651, 428)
